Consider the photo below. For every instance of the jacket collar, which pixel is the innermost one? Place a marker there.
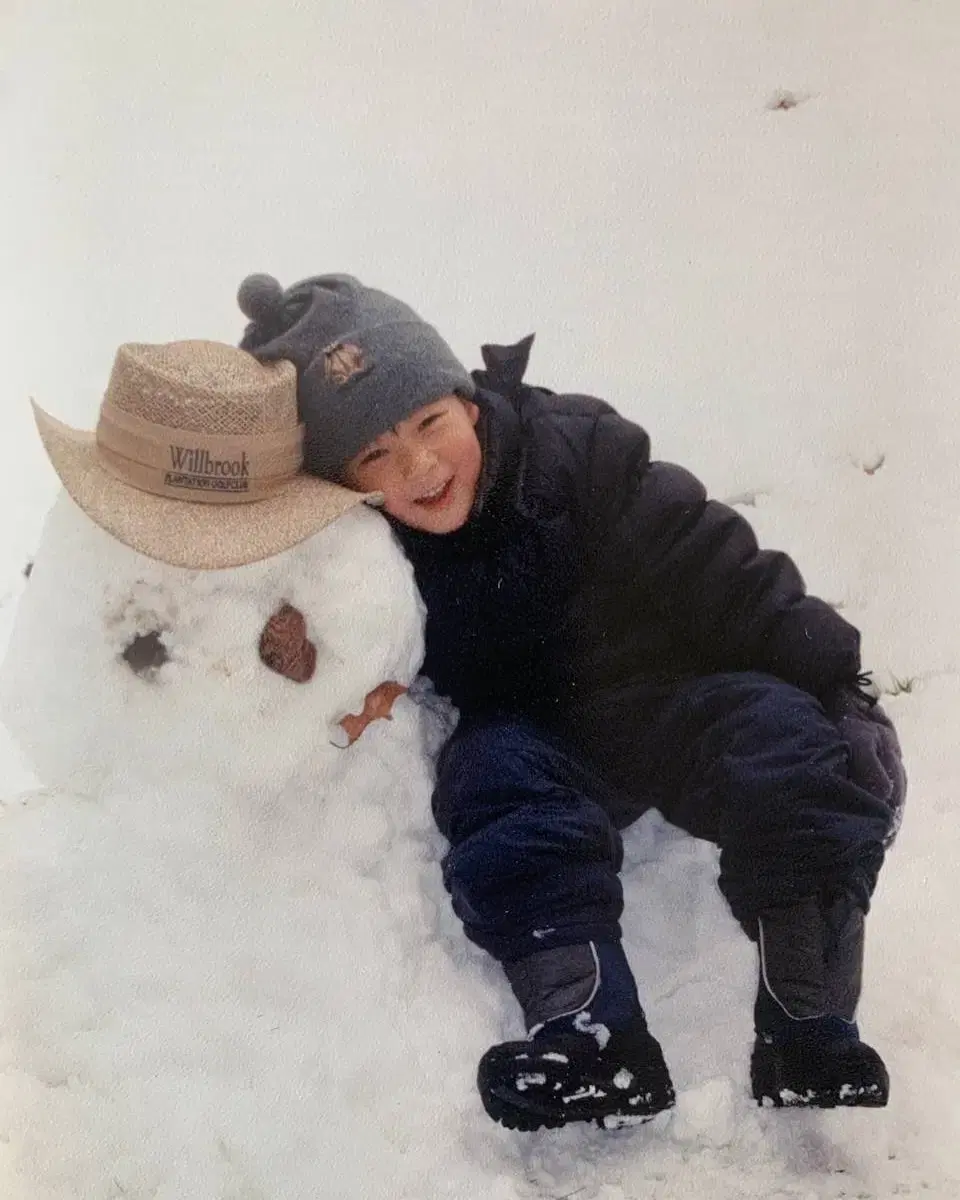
(505, 366)
(498, 429)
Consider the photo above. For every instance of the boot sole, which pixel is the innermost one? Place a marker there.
(544, 1096)
(500, 1104)
(846, 1096)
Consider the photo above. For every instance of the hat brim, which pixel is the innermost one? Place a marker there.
(184, 533)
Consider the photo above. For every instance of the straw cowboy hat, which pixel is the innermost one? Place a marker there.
(196, 459)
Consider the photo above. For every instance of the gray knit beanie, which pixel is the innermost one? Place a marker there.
(364, 360)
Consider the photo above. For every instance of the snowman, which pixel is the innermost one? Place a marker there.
(195, 595)
(208, 674)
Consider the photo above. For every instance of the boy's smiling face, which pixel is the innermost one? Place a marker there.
(427, 466)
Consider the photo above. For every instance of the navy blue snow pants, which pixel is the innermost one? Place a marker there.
(743, 760)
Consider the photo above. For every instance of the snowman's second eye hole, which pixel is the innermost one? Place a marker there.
(145, 654)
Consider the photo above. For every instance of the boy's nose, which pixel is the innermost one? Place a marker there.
(416, 461)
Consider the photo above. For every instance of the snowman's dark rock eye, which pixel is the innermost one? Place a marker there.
(146, 654)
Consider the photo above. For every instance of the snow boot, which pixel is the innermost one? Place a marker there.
(808, 1051)
(589, 1055)
(820, 1064)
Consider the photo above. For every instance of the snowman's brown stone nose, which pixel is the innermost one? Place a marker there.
(285, 647)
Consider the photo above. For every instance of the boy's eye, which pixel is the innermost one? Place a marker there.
(432, 418)
(372, 457)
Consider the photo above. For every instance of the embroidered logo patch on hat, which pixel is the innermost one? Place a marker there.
(342, 361)
(196, 468)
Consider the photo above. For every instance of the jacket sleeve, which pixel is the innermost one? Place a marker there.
(696, 561)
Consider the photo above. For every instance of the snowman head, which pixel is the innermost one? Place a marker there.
(194, 594)
(128, 670)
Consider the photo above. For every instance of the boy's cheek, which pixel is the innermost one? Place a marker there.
(393, 502)
(376, 481)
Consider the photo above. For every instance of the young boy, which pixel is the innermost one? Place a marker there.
(614, 642)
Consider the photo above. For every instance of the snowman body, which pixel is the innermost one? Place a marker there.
(209, 910)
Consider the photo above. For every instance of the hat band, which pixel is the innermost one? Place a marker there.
(184, 465)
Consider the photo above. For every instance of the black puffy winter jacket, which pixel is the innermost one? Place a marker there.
(587, 569)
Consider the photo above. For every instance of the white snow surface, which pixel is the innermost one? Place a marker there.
(228, 968)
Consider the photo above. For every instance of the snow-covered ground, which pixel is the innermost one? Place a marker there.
(204, 1002)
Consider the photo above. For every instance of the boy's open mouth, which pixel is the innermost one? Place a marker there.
(437, 497)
